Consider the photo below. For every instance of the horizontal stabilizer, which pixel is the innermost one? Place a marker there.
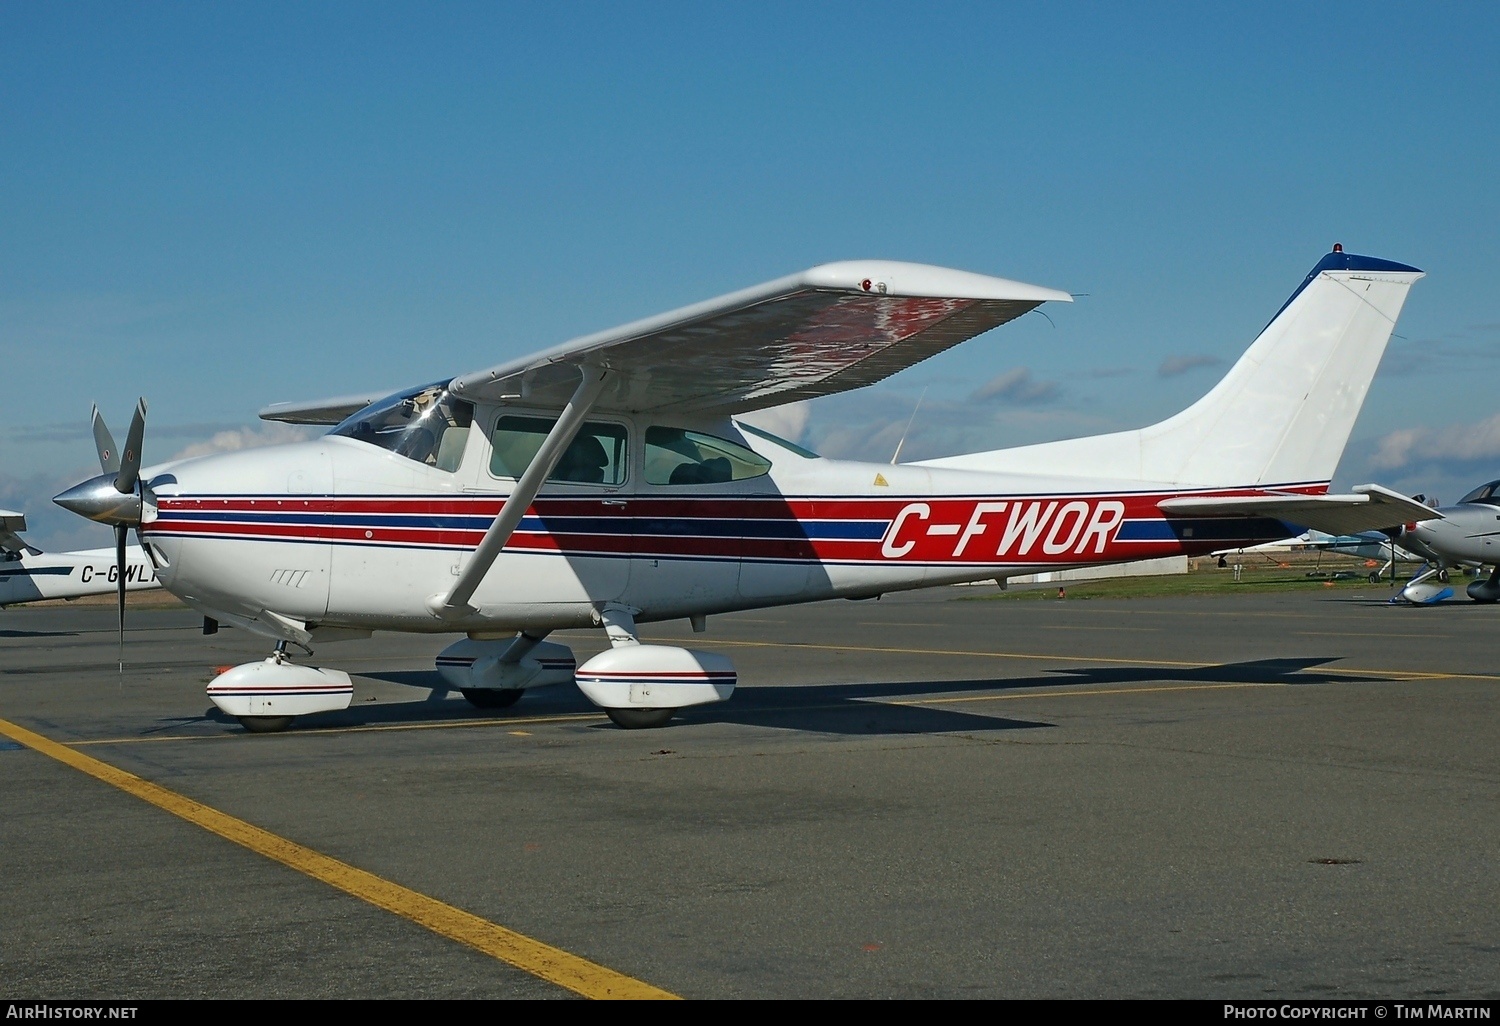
(11, 526)
(1371, 508)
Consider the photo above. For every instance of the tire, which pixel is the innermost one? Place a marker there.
(492, 698)
(265, 724)
(1375, 577)
(641, 719)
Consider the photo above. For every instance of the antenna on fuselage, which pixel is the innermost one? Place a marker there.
(897, 454)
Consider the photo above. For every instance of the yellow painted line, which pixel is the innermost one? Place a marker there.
(1365, 634)
(1041, 657)
(1082, 627)
(542, 960)
(901, 623)
(154, 739)
(377, 728)
(1078, 606)
(1400, 675)
(947, 652)
(1017, 695)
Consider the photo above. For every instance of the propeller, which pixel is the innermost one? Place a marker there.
(117, 496)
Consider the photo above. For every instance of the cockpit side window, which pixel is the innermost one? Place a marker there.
(675, 456)
(595, 456)
(426, 425)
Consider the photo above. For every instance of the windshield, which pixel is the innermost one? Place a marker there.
(426, 425)
(1485, 493)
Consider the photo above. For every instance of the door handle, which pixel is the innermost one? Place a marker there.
(612, 502)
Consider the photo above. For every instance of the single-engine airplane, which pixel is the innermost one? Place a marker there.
(606, 483)
(1466, 534)
(1370, 546)
(27, 574)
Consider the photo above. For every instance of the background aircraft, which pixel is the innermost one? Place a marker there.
(27, 574)
(606, 483)
(1366, 545)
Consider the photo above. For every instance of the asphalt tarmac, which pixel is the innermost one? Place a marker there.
(1263, 796)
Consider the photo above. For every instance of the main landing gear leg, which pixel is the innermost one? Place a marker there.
(269, 724)
(619, 626)
(493, 673)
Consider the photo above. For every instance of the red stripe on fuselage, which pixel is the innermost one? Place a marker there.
(941, 530)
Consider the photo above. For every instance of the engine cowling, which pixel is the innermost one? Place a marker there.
(656, 677)
(273, 689)
(477, 665)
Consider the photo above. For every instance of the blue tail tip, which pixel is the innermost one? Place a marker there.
(1338, 260)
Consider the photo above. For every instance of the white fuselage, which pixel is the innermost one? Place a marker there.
(336, 532)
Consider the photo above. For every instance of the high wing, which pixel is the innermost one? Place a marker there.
(321, 411)
(1369, 509)
(829, 329)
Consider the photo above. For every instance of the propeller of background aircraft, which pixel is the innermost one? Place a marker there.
(116, 497)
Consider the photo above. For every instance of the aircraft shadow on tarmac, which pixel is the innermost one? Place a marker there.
(38, 634)
(876, 707)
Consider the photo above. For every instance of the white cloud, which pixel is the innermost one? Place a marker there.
(1465, 443)
(1172, 366)
(1016, 386)
(270, 433)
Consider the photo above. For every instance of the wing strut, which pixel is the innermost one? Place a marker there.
(454, 605)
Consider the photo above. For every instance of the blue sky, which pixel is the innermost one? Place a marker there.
(220, 206)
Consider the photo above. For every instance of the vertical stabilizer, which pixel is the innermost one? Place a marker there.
(1283, 413)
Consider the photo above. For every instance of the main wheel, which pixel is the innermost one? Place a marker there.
(640, 719)
(265, 724)
(492, 698)
(1374, 576)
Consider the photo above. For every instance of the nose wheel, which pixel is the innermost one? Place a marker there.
(266, 696)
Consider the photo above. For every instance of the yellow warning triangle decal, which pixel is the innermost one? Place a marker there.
(880, 481)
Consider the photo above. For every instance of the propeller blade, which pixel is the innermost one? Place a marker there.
(104, 444)
(121, 532)
(130, 459)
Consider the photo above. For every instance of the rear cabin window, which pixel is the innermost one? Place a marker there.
(596, 455)
(675, 456)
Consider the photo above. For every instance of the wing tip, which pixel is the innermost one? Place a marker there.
(899, 278)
